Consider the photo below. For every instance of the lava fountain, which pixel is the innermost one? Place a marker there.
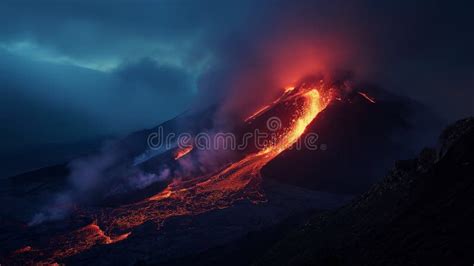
(236, 181)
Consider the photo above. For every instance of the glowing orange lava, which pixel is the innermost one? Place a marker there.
(194, 195)
(257, 113)
(182, 152)
(22, 250)
(238, 180)
(84, 238)
(262, 110)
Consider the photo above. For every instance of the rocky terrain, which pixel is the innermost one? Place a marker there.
(421, 214)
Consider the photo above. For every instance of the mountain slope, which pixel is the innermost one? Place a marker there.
(420, 214)
(358, 141)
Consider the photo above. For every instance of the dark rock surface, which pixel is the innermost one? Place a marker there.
(244, 232)
(179, 236)
(358, 141)
(422, 213)
(189, 235)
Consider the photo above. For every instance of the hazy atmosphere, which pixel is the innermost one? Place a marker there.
(253, 132)
(115, 66)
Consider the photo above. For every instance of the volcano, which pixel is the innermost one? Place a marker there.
(124, 218)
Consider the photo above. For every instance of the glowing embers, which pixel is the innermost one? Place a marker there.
(262, 110)
(182, 152)
(366, 96)
(69, 244)
(257, 113)
(309, 112)
(22, 250)
(84, 238)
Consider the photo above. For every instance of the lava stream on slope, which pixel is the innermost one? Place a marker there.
(194, 195)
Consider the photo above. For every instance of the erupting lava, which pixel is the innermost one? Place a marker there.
(194, 195)
(182, 152)
(257, 113)
(90, 235)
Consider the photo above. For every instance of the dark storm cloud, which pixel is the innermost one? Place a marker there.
(147, 72)
(123, 28)
(75, 70)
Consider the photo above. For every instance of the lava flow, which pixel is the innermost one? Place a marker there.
(182, 152)
(236, 181)
(366, 96)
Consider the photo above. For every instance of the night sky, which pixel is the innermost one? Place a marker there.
(79, 70)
